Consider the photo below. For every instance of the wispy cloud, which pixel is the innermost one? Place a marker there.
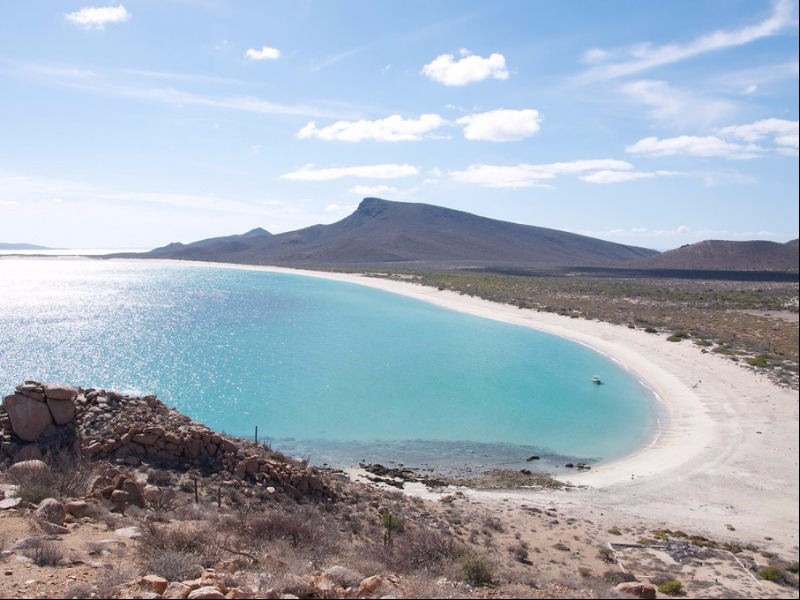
(681, 233)
(119, 84)
(373, 190)
(98, 17)
(531, 175)
(606, 177)
(24, 189)
(470, 68)
(332, 60)
(678, 107)
(176, 76)
(385, 171)
(391, 129)
(644, 56)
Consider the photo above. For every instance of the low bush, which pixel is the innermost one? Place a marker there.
(771, 573)
(422, 549)
(476, 570)
(760, 361)
(44, 553)
(278, 526)
(614, 577)
(671, 587)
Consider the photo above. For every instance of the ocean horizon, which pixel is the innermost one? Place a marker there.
(333, 372)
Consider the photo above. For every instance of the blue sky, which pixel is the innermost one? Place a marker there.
(139, 123)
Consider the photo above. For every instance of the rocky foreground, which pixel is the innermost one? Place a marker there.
(131, 430)
(104, 495)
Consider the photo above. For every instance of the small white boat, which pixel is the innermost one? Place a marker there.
(596, 380)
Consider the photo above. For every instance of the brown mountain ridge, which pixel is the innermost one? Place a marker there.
(402, 234)
(726, 255)
(389, 234)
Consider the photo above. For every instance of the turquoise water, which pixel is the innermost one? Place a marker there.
(332, 371)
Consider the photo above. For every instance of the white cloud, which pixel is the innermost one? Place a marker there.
(690, 145)
(97, 17)
(678, 107)
(526, 175)
(469, 69)
(733, 142)
(643, 56)
(391, 129)
(386, 171)
(373, 190)
(606, 176)
(266, 53)
(786, 133)
(501, 125)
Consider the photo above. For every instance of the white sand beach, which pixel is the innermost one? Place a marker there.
(725, 463)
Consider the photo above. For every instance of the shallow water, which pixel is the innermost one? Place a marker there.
(332, 371)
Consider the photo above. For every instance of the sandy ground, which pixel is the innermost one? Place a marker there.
(725, 462)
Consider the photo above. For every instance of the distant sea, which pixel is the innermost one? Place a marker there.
(333, 372)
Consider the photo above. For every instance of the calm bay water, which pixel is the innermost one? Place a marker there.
(332, 371)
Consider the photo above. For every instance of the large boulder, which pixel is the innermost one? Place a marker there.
(28, 469)
(30, 419)
(63, 411)
(51, 510)
(59, 391)
(639, 590)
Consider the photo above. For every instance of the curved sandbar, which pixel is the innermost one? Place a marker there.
(725, 464)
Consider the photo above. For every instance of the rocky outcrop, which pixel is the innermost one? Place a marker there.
(133, 430)
(636, 589)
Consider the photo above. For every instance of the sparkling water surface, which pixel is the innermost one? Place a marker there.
(331, 371)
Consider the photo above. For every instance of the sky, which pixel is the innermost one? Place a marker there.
(138, 123)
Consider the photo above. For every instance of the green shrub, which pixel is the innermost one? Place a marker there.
(671, 587)
(678, 336)
(476, 569)
(771, 573)
(761, 361)
(650, 330)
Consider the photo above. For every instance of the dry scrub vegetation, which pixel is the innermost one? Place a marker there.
(264, 544)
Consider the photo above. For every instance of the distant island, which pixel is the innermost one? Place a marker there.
(10, 246)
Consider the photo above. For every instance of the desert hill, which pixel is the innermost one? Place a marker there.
(727, 255)
(382, 232)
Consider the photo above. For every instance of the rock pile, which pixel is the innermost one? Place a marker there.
(133, 430)
(334, 582)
